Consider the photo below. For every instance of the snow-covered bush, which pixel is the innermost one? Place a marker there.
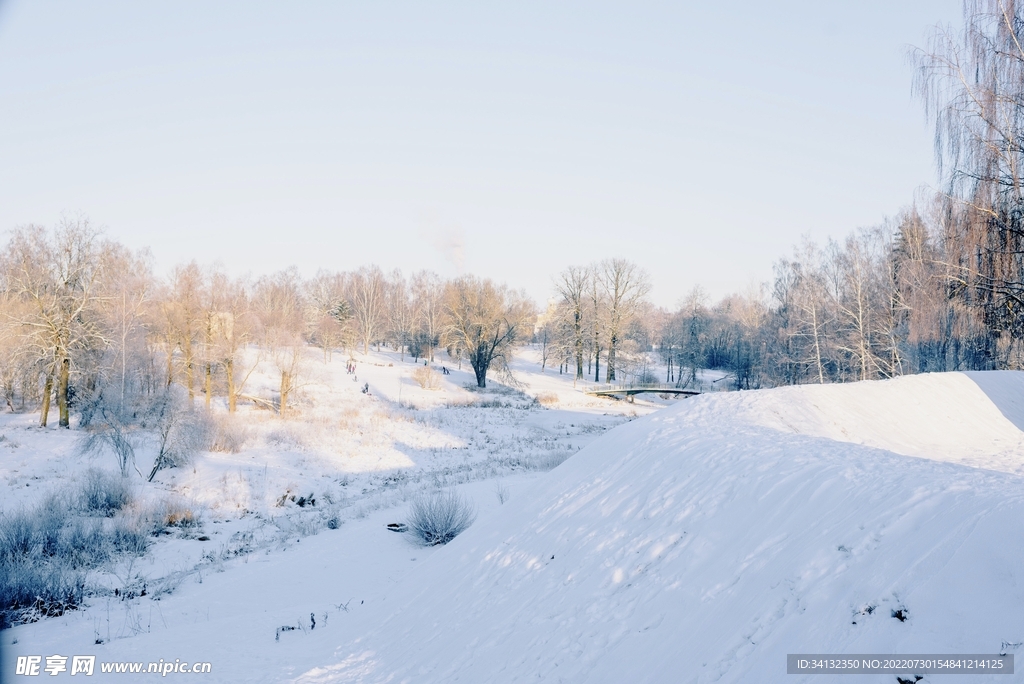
(104, 493)
(46, 553)
(440, 517)
(501, 491)
(29, 591)
(182, 432)
(230, 435)
(114, 423)
(112, 426)
(129, 534)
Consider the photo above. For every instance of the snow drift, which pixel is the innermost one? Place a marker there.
(709, 540)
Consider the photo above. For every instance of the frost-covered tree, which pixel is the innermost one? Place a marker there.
(279, 308)
(369, 304)
(572, 285)
(486, 321)
(971, 81)
(625, 286)
(58, 276)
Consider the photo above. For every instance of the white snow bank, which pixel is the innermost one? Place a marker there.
(972, 418)
(706, 542)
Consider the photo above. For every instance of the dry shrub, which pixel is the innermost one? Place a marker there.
(291, 437)
(427, 378)
(547, 399)
(230, 435)
(440, 517)
(104, 493)
(175, 513)
(46, 552)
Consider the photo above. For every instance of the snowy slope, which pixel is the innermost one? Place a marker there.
(709, 540)
(974, 418)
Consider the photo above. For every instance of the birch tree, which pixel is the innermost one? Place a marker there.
(971, 82)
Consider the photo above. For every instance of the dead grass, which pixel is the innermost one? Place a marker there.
(547, 399)
(175, 513)
(427, 378)
(230, 435)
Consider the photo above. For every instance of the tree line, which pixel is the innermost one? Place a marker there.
(939, 287)
(84, 320)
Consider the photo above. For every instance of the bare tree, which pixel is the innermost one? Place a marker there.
(19, 361)
(186, 318)
(232, 329)
(972, 85)
(279, 306)
(126, 294)
(368, 301)
(324, 294)
(693, 341)
(399, 311)
(180, 430)
(625, 286)
(428, 309)
(487, 321)
(814, 317)
(59, 277)
(597, 306)
(572, 286)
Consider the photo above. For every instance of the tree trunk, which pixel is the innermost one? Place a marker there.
(597, 364)
(44, 414)
(817, 345)
(208, 385)
(189, 369)
(480, 369)
(229, 368)
(170, 364)
(578, 331)
(62, 392)
(286, 386)
(610, 372)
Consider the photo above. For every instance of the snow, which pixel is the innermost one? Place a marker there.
(701, 542)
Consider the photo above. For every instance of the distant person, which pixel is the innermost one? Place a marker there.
(366, 388)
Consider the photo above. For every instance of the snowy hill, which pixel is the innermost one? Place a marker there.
(705, 542)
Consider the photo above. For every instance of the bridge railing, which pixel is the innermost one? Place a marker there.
(651, 387)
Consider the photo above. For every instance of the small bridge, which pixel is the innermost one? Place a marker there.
(630, 390)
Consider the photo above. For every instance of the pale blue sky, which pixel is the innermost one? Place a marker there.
(700, 140)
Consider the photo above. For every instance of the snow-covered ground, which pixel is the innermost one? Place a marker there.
(360, 456)
(701, 542)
